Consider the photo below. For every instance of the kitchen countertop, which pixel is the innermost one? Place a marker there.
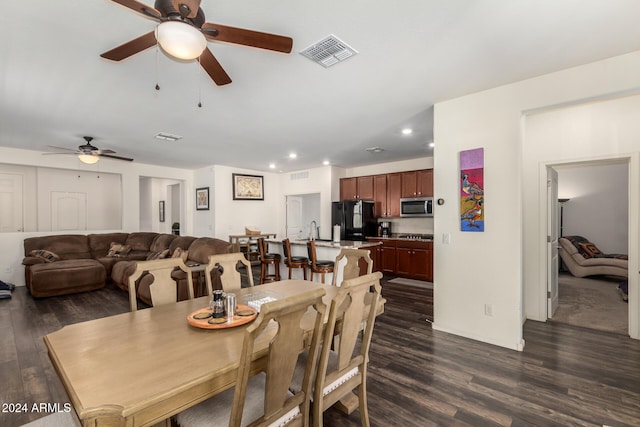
(411, 237)
(322, 243)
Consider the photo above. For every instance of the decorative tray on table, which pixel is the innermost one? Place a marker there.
(202, 318)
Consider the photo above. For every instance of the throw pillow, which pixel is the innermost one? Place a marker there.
(180, 253)
(589, 250)
(117, 250)
(47, 256)
(157, 255)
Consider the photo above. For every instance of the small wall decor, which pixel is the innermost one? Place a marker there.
(472, 190)
(202, 199)
(248, 187)
(161, 210)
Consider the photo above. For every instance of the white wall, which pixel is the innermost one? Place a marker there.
(232, 216)
(503, 267)
(598, 205)
(11, 244)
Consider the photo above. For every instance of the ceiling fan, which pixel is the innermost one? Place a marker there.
(182, 33)
(88, 153)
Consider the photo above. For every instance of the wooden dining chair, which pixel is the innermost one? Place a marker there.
(225, 266)
(164, 289)
(264, 399)
(267, 259)
(350, 263)
(318, 266)
(342, 365)
(293, 261)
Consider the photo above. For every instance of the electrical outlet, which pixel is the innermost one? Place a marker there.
(488, 310)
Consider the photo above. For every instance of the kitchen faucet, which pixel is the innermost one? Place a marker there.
(314, 230)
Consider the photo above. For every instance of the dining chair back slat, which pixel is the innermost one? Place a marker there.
(164, 289)
(225, 267)
(351, 262)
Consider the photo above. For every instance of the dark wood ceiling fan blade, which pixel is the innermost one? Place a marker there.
(248, 37)
(131, 47)
(146, 10)
(213, 68)
(100, 152)
(115, 157)
(61, 148)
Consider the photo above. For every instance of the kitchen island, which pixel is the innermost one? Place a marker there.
(325, 250)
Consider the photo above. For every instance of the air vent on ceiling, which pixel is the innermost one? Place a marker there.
(374, 150)
(329, 51)
(167, 137)
(299, 175)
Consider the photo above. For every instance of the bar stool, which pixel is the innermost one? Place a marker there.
(294, 261)
(267, 259)
(318, 266)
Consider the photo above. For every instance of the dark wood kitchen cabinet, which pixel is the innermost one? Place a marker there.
(417, 183)
(407, 258)
(356, 188)
(415, 259)
(384, 256)
(386, 195)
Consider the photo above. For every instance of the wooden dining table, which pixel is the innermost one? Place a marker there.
(140, 368)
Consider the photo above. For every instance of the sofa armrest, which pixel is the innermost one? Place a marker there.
(32, 260)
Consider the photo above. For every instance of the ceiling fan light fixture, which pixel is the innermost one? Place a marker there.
(180, 40)
(88, 159)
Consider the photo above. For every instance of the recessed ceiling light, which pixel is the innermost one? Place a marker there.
(292, 155)
(432, 144)
(407, 131)
(326, 163)
(272, 166)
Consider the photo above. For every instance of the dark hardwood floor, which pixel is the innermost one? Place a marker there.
(417, 376)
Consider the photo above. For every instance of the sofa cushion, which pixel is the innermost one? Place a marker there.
(203, 247)
(158, 255)
(162, 242)
(65, 277)
(66, 246)
(140, 243)
(99, 244)
(44, 254)
(180, 253)
(118, 250)
(180, 242)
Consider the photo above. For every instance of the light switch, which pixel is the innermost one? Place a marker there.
(446, 238)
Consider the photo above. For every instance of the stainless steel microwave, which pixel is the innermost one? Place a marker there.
(416, 207)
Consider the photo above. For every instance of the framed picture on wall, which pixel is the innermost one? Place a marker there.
(161, 210)
(202, 199)
(248, 187)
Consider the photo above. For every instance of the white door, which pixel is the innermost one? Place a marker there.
(68, 211)
(10, 202)
(295, 228)
(552, 241)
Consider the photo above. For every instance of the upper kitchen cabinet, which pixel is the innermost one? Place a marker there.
(417, 183)
(357, 188)
(386, 195)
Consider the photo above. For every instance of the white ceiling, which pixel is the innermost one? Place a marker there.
(54, 87)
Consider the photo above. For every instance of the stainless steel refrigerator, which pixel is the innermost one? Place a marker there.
(355, 218)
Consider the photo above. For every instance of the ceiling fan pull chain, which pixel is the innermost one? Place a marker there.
(157, 67)
(199, 78)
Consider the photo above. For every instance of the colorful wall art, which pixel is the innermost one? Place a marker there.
(472, 190)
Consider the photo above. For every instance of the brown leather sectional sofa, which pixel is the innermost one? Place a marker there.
(70, 263)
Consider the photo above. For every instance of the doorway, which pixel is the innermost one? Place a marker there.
(594, 200)
(301, 211)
